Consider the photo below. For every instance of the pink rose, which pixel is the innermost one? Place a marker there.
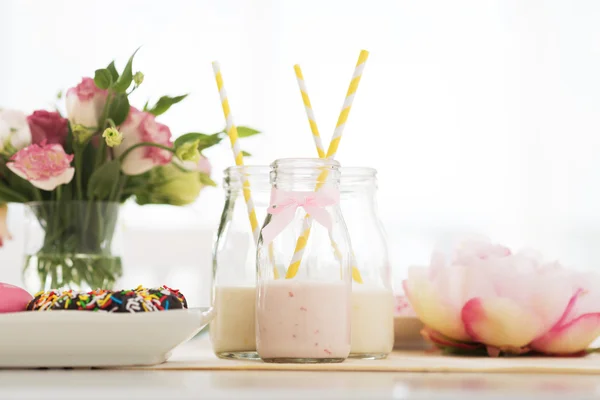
(142, 127)
(46, 166)
(85, 103)
(4, 233)
(47, 126)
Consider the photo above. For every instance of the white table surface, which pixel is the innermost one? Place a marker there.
(180, 385)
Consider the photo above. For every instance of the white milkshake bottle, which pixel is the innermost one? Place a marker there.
(232, 331)
(303, 265)
(372, 298)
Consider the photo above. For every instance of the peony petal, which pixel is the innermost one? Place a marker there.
(51, 183)
(429, 306)
(499, 322)
(442, 341)
(571, 338)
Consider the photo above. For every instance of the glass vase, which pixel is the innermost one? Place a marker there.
(303, 267)
(72, 245)
(232, 332)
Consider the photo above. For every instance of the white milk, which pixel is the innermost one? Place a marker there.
(372, 322)
(233, 328)
(303, 320)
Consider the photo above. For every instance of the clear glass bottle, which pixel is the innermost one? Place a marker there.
(303, 306)
(232, 331)
(372, 298)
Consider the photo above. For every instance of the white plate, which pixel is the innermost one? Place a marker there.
(95, 339)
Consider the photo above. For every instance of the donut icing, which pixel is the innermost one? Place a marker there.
(136, 300)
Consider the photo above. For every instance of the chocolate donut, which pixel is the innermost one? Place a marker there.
(132, 301)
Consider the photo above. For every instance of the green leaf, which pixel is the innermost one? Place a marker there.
(126, 77)
(18, 184)
(104, 179)
(146, 106)
(119, 108)
(246, 154)
(163, 104)
(205, 179)
(244, 131)
(113, 71)
(205, 141)
(8, 195)
(103, 78)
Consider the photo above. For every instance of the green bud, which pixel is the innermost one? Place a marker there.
(138, 78)
(81, 133)
(188, 151)
(7, 148)
(169, 185)
(112, 136)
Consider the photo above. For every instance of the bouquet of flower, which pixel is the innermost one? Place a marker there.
(74, 172)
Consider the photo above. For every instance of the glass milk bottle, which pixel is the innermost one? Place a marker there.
(372, 294)
(303, 302)
(232, 331)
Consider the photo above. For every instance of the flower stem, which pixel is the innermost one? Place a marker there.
(144, 144)
(100, 157)
(78, 173)
(37, 194)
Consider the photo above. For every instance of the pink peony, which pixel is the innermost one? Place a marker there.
(85, 103)
(4, 233)
(142, 127)
(46, 165)
(509, 303)
(47, 126)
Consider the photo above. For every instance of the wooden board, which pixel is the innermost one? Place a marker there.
(197, 355)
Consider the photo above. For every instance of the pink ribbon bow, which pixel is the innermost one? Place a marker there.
(284, 205)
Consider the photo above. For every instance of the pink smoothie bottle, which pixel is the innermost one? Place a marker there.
(304, 271)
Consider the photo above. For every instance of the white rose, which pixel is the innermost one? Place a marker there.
(85, 103)
(14, 131)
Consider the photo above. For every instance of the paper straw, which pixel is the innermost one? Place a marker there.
(309, 112)
(237, 155)
(319, 146)
(331, 152)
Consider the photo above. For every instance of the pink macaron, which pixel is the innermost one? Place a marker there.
(13, 298)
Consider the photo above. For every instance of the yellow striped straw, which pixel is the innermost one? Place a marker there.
(237, 153)
(331, 152)
(319, 146)
(309, 112)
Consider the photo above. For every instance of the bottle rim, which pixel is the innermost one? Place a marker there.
(258, 175)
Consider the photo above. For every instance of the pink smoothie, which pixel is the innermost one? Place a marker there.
(303, 320)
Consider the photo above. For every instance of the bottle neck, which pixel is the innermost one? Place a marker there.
(304, 174)
(256, 176)
(358, 181)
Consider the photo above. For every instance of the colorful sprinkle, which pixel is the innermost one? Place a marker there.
(138, 300)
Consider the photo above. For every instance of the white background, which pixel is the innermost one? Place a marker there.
(481, 116)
